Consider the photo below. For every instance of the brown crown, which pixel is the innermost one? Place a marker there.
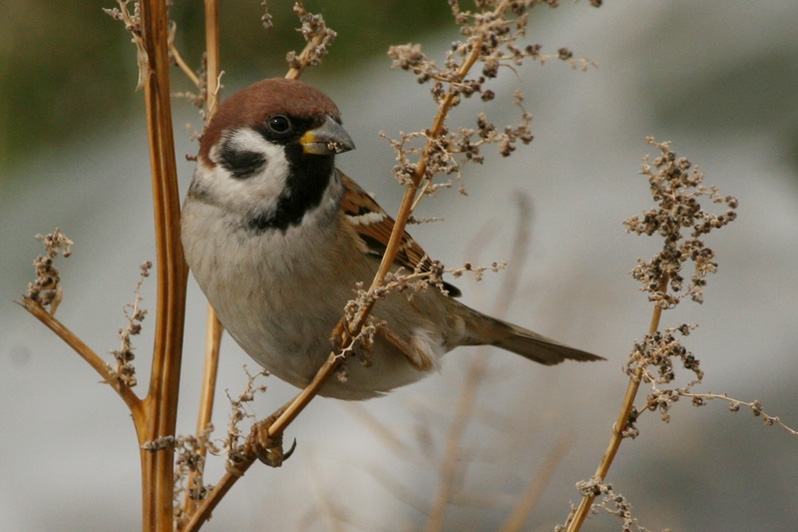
(254, 104)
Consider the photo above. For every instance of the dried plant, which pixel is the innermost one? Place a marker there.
(46, 288)
(678, 189)
(426, 161)
(124, 370)
(154, 416)
(489, 33)
(611, 502)
(681, 220)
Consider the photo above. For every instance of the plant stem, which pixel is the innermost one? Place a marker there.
(213, 341)
(406, 207)
(212, 55)
(205, 509)
(94, 360)
(161, 401)
(575, 523)
(214, 328)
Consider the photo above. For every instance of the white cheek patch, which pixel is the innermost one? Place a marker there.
(255, 192)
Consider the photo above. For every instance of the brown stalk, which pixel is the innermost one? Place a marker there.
(160, 405)
(72, 340)
(212, 55)
(214, 328)
(209, 504)
(154, 416)
(575, 522)
(213, 342)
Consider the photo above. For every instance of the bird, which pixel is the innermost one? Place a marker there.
(278, 239)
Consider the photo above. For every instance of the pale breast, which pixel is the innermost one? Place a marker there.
(280, 293)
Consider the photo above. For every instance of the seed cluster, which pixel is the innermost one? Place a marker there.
(682, 221)
(125, 371)
(491, 40)
(46, 288)
(611, 502)
(316, 33)
(655, 360)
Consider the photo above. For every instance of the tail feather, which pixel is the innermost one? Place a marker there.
(485, 330)
(539, 348)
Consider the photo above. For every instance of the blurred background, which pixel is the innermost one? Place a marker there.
(718, 78)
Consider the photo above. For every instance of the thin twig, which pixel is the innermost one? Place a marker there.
(208, 392)
(576, 519)
(209, 504)
(735, 404)
(214, 328)
(72, 340)
(181, 63)
(212, 55)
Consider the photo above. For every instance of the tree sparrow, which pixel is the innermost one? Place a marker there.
(277, 238)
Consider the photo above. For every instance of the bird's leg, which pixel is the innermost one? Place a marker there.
(340, 334)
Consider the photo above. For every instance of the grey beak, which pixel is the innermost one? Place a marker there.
(328, 139)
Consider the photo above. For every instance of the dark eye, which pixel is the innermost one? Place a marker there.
(279, 124)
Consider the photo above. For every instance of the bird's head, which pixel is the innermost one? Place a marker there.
(269, 152)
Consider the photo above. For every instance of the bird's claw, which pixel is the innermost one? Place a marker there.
(268, 448)
(339, 334)
(273, 454)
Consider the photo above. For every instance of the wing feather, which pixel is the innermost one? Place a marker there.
(374, 227)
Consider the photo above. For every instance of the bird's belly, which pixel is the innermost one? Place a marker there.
(293, 342)
(284, 328)
(280, 301)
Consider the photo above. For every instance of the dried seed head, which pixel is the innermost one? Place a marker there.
(681, 220)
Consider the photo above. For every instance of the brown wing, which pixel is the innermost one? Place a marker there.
(374, 226)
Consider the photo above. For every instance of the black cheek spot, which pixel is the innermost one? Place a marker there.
(241, 163)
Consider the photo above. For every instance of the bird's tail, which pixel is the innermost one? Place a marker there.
(485, 330)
